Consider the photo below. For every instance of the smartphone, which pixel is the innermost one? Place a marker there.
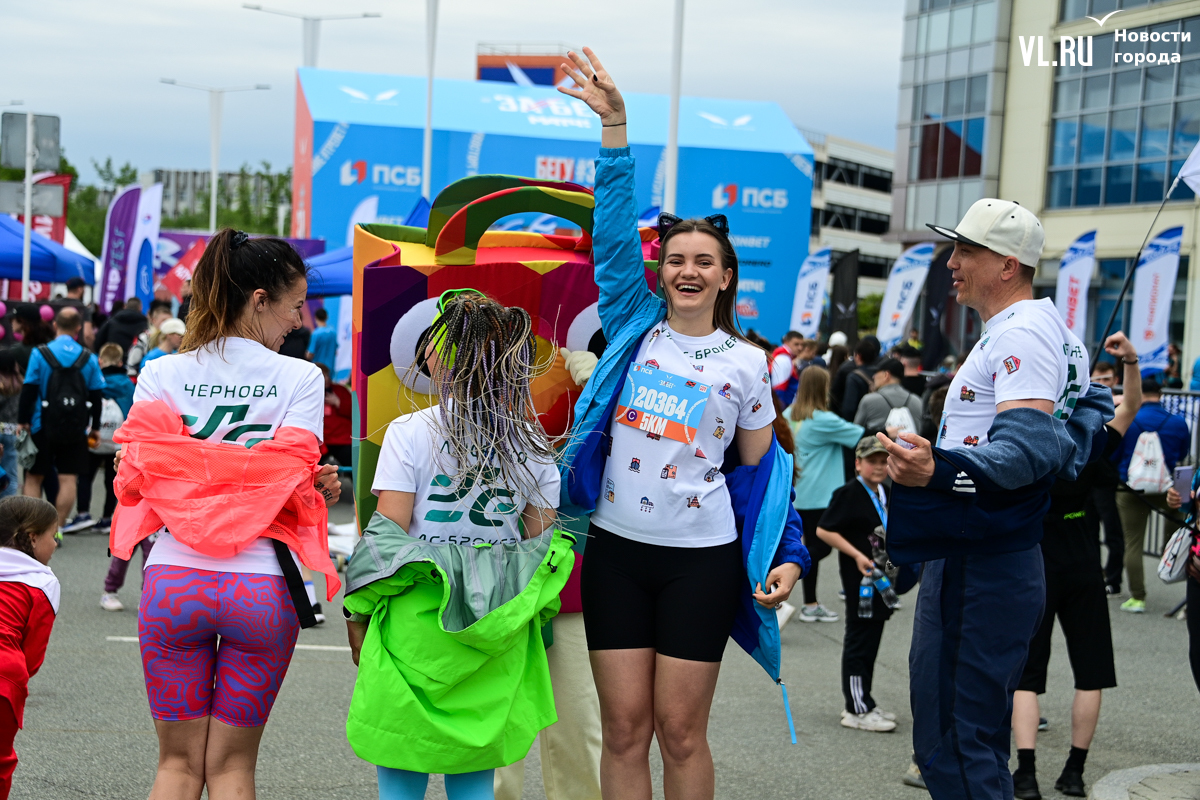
(1183, 482)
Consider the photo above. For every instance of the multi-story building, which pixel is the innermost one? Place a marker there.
(995, 102)
(852, 205)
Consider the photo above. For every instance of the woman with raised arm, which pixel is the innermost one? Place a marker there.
(664, 581)
(220, 460)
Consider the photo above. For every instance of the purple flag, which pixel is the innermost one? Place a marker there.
(118, 234)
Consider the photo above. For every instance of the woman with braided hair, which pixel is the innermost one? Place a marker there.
(453, 677)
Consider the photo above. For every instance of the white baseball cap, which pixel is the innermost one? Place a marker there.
(1002, 226)
(172, 325)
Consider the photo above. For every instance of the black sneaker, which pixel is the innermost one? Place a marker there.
(1025, 786)
(316, 607)
(1070, 783)
(1043, 724)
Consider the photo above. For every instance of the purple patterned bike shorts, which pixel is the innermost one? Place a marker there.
(215, 643)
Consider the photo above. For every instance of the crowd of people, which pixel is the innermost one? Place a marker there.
(580, 593)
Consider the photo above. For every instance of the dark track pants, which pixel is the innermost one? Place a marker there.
(974, 619)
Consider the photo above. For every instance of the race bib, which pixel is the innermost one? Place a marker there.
(661, 404)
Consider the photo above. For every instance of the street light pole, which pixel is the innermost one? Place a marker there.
(431, 12)
(312, 27)
(27, 246)
(215, 101)
(672, 155)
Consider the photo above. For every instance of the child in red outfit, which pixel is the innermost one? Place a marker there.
(28, 603)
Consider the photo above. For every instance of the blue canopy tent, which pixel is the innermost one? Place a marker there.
(49, 261)
(332, 273)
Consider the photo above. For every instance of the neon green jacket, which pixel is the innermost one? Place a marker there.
(452, 676)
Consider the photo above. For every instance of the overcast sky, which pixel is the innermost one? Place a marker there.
(834, 67)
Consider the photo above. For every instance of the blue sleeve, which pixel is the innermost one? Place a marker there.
(37, 372)
(616, 244)
(92, 374)
(791, 544)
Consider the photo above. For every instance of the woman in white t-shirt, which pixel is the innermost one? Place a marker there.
(230, 385)
(432, 483)
(663, 573)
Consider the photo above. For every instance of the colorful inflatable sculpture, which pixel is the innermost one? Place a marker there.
(400, 271)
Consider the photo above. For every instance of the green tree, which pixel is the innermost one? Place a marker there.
(115, 178)
(868, 312)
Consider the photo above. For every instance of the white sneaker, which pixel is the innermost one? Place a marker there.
(873, 720)
(110, 602)
(817, 613)
(784, 613)
(889, 716)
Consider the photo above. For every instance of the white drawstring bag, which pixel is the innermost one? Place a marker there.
(1147, 467)
(1172, 568)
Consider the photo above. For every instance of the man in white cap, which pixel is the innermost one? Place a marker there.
(970, 506)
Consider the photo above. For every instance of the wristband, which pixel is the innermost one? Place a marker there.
(1130, 363)
(614, 125)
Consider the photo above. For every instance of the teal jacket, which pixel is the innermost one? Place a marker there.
(819, 443)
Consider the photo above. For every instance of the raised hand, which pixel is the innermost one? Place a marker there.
(594, 86)
(1120, 347)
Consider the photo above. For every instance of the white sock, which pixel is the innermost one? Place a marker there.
(311, 592)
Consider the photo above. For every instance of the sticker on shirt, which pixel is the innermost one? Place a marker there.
(700, 453)
(971, 441)
(967, 395)
(610, 492)
(693, 502)
(719, 432)
(635, 465)
(724, 391)
(711, 475)
(668, 472)
(755, 407)
(1012, 364)
(647, 506)
(662, 404)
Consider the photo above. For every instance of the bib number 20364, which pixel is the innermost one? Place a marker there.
(660, 403)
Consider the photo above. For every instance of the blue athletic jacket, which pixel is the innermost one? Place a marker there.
(991, 499)
(761, 495)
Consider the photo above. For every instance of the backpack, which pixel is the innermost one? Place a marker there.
(1147, 467)
(111, 418)
(65, 410)
(899, 417)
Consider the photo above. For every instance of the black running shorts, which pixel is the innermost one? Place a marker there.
(1078, 599)
(681, 601)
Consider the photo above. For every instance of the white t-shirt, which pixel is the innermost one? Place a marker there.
(238, 396)
(1026, 353)
(781, 371)
(414, 459)
(666, 492)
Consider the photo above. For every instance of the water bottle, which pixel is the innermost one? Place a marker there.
(884, 586)
(866, 598)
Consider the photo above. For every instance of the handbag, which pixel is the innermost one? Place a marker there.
(1172, 568)
(26, 450)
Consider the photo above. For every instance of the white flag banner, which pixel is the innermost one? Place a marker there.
(1153, 289)
(1189, 173)
(1074, 278)
(903, 288)
(139, 271)
(810, 293)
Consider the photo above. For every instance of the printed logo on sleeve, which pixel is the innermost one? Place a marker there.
(755, 407)
(967, 395)
(764, 378)
(719, 432)
(1012, 364)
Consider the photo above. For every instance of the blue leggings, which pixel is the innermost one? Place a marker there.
(400, 784)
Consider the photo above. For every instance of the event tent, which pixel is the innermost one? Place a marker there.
(49, 261)
(332, 273)
(358, 152)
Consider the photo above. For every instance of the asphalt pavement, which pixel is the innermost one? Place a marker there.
(88, 732)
